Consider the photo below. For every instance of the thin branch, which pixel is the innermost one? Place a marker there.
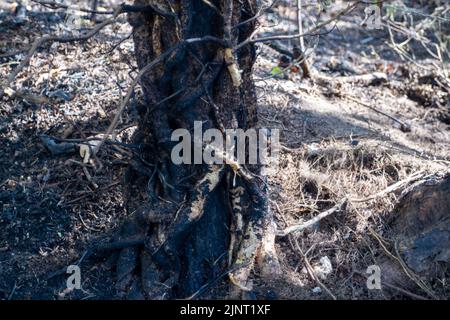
(392, 188)
(58, 5)
(309, 223)
(261, 11)
(123, 8)
(311, 32)
(300, 24)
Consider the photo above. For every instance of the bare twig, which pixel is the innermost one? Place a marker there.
(396, 186)
(309, 223)
(58, 5)
(313, 31)
(260, 12)
(300, 24)
(89, 177)
(405, 268)
(392, 188)
(13, 291)
(123, 8)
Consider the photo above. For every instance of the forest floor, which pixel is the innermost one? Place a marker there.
(335, 145)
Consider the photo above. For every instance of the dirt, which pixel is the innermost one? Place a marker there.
(52, 211)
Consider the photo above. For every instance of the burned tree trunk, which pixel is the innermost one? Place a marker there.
(199, 224)
(421, 222)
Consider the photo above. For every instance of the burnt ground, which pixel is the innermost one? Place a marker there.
(52, 208)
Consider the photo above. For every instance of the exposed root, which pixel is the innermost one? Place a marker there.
(160, 263)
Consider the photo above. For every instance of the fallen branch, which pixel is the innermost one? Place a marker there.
(349, 137)
(11, 54)
(364, 79)
(102, 246)
(309, 223)
(392, 188)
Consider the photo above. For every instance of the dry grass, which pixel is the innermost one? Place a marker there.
(314, 178)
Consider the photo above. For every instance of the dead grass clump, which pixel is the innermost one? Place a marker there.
(318, 176)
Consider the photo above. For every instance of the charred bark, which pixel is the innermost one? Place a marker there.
(198, 222)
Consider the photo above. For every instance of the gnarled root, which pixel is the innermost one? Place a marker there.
(182, 255)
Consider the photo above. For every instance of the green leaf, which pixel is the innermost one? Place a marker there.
(276, 71)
